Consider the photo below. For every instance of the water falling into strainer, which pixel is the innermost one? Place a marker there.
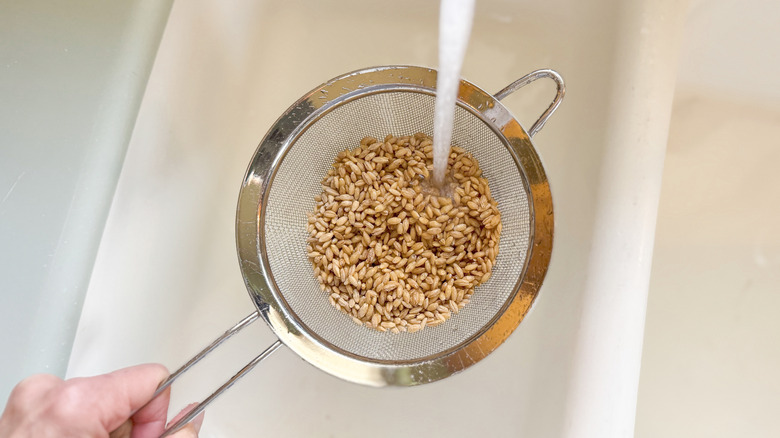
(279, 189)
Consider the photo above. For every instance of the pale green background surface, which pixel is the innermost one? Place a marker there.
(72, 75)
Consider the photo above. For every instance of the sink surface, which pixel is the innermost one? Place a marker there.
(166, 280)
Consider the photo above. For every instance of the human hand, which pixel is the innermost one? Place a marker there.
(43, 406)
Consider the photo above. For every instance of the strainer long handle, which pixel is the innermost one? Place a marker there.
(527, 79)
(203, 353)
(202, 405)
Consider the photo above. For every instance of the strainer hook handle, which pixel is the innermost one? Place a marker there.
(527, 79)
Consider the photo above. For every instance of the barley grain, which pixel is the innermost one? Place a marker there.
(390, 256)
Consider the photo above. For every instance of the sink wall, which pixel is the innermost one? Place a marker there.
(711, 356)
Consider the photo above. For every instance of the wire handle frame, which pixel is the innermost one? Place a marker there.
(230, 382)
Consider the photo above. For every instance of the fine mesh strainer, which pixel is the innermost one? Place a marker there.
(279, 189)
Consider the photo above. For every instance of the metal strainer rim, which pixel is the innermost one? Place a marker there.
(256, 270)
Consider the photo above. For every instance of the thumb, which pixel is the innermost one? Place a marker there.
(113, 397)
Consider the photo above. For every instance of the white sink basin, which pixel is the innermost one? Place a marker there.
(166, 280)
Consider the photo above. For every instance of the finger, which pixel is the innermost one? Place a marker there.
(115, 396)
(27, 400)
(30, 391)
(149, 422)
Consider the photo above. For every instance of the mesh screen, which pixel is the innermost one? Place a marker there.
(291, 197)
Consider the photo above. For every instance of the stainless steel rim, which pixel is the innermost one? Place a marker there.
(250, 240)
